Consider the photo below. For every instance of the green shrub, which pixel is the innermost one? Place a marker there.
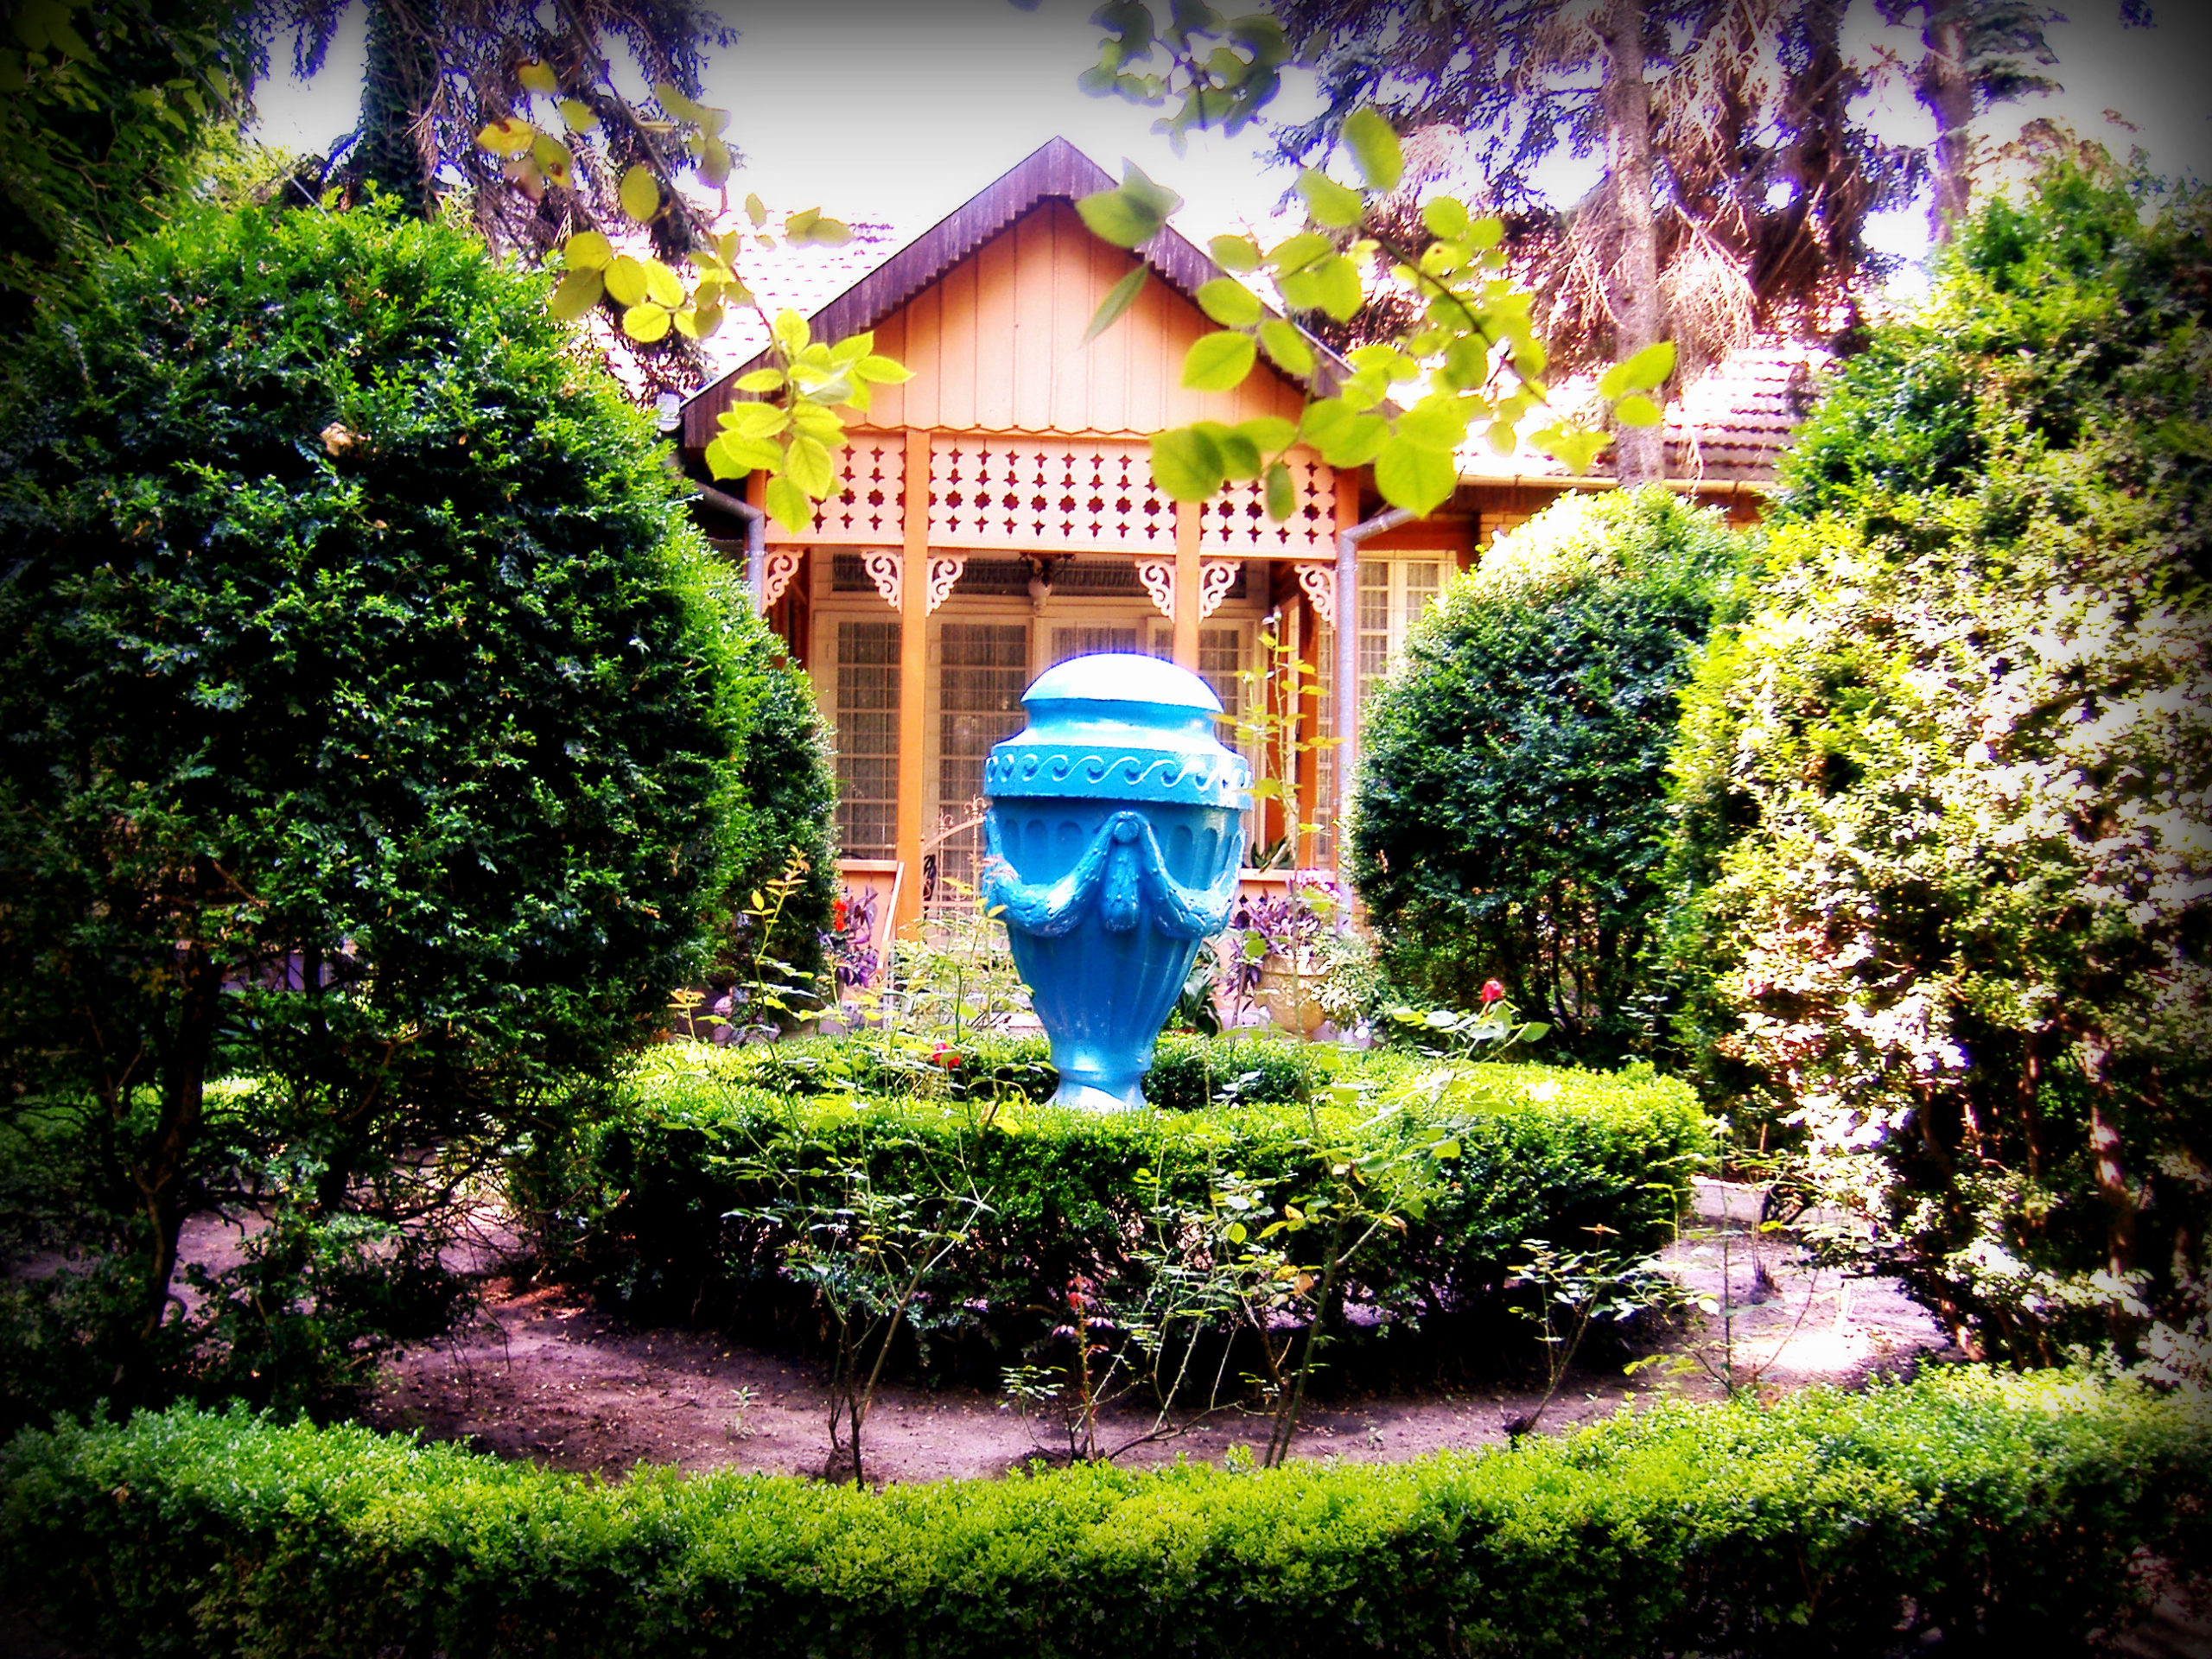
(377, 722)
(1511, 812)
(1946, 863)
(659, 1200)
(1999, 1509)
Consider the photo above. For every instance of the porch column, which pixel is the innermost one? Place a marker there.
(913, 670)
(1188, 576)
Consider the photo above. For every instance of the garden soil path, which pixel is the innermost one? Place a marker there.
(546, 1375)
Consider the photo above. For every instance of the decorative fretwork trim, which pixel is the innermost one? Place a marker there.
(1318, 583)
(871, 502)
(944, 571)
(1158, 576)
(1216, 578)
(777, 571)
(1235, 521)
(887, 569)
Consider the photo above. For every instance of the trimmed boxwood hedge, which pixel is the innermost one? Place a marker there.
(2005, 1509)
(649, 1205)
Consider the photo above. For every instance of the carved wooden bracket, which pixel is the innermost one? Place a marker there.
(1158, 576)
(944, 571)
(776, 574)
(886, 570)
(1216, 578)
(1318, 583)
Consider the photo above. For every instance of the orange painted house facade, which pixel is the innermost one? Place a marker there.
(998, 516)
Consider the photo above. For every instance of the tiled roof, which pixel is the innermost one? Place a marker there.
(1735, 421)
(804, 279)
(1730, 424)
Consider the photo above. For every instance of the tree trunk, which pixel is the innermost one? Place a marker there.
(1946, 88)
(393, 147)
(160, 1175)
(1639, 455)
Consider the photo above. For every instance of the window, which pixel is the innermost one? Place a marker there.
(982, 669)
(867, 716)
(1392, 594)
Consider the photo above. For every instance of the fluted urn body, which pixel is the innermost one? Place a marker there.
(1115, 835)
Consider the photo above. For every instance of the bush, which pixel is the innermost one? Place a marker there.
(662, 1201)
(377, 724)
(2004, 1511)
(1944, 793)
(1511, 812)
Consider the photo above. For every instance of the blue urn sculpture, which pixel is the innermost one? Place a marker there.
(1115, 835)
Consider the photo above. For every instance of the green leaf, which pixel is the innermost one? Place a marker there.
(509, 137)
(1647, 369)
(578, 115)
(641, 194)
(1445, 216)
(1119, 298)
(1218, 361)
(1287, 346)
(1297, 252)
(588, 251)
(789, 506)
(730, 454)
(1132, 213)
(791, 332)
(626, 280)
(661, 284)
(1374, 149)
(647, 322)
(1421, 480)
(1228, 303)
(1270, 432)
(538, 78)
(1571, 447)
(578, 292)
(761, 380)
(1186, 464)
(1340, 292)
(1236, 253)
(1435, 423)
(1636, 410)
(807, 464)
(1331, 203)
(882, 371)
(754, 420)
(1282, 499)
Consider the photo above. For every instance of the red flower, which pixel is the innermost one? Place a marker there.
(1491, 991)
(946, 1055)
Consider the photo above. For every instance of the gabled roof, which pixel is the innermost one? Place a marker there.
(1055, 169)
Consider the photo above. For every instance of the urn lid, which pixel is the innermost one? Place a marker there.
(1117, 726)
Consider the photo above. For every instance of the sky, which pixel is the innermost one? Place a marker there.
(903, 109)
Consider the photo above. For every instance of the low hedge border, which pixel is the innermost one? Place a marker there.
(2001, 1509)
(656, 1204)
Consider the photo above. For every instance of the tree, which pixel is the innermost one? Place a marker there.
(1944, 792)
(1737, 180)
(374, 720)
(1512, 793)
(104, 111)
(1975, 55)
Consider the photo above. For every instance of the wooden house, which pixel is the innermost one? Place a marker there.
(998, 515)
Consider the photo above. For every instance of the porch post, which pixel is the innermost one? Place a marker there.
(913, 670)
(1188, 577)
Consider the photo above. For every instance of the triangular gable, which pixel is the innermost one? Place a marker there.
(1020, 243)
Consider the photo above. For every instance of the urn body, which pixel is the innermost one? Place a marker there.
(1116, 836)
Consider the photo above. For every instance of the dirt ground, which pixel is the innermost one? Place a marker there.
(545, 1375)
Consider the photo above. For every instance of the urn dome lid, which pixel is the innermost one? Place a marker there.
(1122, 677)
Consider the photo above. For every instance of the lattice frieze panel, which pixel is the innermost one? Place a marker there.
(1047, 494)
(1237, 521)
(870, 507)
